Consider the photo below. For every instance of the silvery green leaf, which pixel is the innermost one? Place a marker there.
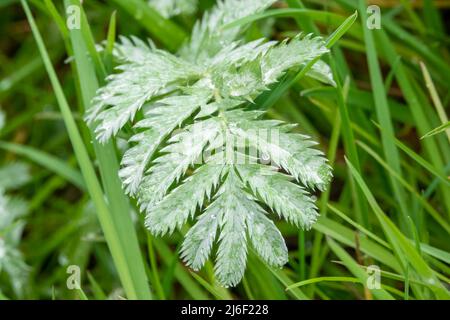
(244, 82)
(183, 150)
(12, 263)
(236, 54)
(232, 207)
(199, 240)
(321, 72)
(133, 49)
(11, 227)
(292, 152)
(14, 175)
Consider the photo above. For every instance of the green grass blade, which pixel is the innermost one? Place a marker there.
(349, 146)
(340, 279)
(110, 41)
(317, 15)
(92, 184)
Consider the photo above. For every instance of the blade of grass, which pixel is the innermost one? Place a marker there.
(419, 46)
(346, 236)
(97, 291)
(383, 114)
(52, 163)
(317, 15)
(317, 250)
(357, 226)
(433, 19)
(435, 97)
(413, 16)
(350, 147)
(154, 268)
(356, 270)
(286, 281)
(182, 275)
(305, 23)
(436, 216)
(443, 127)
(166, 31)
(422, 162)
(108, 164)
(110, 41)
(339, 279)
(301, 255)
(92, 184)
(269, 98)
(211, 289)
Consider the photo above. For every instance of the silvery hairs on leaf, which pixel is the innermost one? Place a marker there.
(11, 227)
(191, 128)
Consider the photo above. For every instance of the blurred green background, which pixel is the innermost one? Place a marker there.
(391, 210)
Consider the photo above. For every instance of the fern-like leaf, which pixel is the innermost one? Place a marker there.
(13, 175)
(267, 239)
(289, 54)
(160, 120)
(175, 209)
(208, 36)
(322, 72)
(198, 154)
(287, 199)
(184, 149)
